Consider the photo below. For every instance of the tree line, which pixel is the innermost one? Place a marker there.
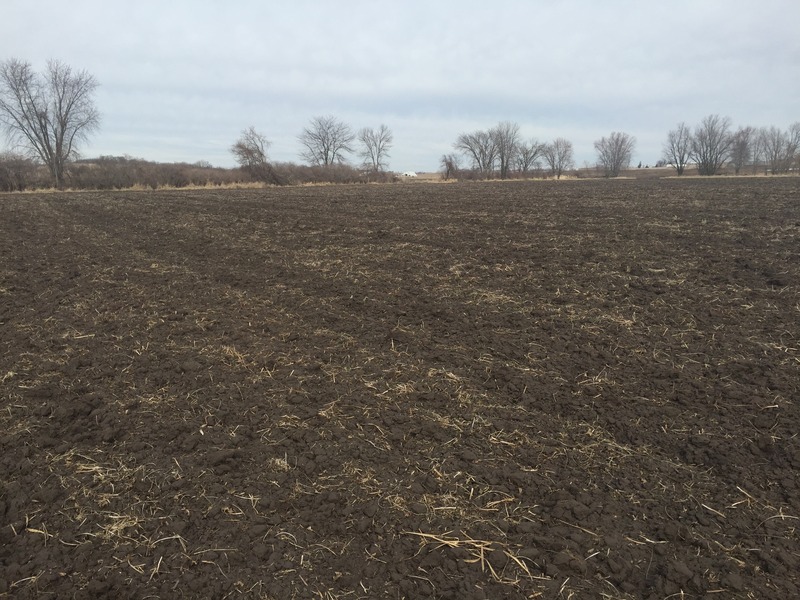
(713, 144)
(326, 143)
(47, 116)
(501, 152)
(710, 147)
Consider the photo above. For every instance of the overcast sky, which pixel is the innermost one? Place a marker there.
(179, 80)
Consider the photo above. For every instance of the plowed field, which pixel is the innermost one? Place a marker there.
(519, 390)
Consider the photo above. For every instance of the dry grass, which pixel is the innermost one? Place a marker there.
(479, 552)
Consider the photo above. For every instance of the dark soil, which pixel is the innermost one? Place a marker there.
(545, 389)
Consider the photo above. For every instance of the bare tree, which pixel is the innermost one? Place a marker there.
(375, 145)
(742, 143)
(250, 152)
(559, 156)
(711, 144)
(614, 152)
(481, 149)
(678, 148)
(506, 142)
(449, 166)
(326, 141)
(794, 144)
(527, 155)
(759, 153)
(780, 147)
(47, 115)
(772, 148)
